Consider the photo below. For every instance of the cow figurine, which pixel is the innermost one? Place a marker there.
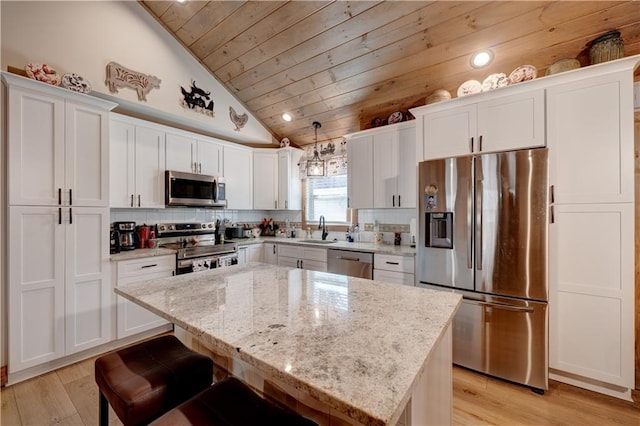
(119, 76)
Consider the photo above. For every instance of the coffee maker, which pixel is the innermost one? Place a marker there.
(114, 240)
(127, 237)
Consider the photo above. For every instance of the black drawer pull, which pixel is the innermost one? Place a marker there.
(392, 263)
(149, 266)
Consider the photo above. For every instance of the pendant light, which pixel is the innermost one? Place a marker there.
(315, 166)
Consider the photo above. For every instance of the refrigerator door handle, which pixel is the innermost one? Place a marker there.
(469, 226)
(504, 306)
(479, 188)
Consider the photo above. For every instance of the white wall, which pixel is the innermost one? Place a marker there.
(83, 36)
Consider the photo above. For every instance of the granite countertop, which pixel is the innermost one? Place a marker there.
(357, 345)
(140, 253)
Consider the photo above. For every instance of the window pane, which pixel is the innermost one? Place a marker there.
(327, 196)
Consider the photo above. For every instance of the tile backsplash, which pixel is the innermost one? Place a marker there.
(385, 218)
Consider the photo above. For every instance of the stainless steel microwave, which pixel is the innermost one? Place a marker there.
(194, 190)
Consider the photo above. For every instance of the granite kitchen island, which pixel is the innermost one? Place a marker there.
(356, 350)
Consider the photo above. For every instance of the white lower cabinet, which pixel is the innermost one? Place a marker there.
(131, 318)
(249, 253)
(394, 269)
(270, 253)
(313, 259)
(59, 292)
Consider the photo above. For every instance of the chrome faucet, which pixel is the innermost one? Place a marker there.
(322, 225)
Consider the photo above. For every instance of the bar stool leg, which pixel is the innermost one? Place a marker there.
(103, 410)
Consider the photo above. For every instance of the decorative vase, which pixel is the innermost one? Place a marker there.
(607, 47)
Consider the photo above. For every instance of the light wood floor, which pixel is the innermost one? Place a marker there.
(69, 396)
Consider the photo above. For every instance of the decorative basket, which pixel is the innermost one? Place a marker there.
(607, 47)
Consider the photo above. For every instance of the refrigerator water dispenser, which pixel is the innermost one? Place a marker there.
(439, 230)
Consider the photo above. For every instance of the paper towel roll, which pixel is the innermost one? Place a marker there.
(412, 232)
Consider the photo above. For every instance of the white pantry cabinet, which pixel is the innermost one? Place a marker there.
(502, 121)
(132, 318)
(389, 180)
(59, 297)
(137, 163)
(238, 174)
(190, 154)
(591, 237)
(58, 145)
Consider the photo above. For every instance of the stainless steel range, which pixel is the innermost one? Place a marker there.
(198, 246)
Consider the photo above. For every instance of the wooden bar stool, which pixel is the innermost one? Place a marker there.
(230, 403)
(144, 381)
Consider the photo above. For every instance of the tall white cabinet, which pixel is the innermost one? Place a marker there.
(276, 181)
(591, 237)
(58, 192)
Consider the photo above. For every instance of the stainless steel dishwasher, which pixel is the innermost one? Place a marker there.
(351, 263)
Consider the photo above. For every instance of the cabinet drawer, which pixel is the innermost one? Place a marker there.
(147, 265)
(393, 263)
(393, 277)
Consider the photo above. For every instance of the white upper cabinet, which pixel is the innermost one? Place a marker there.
(360, 176)
(265, 179)
(58, 145)
(382, 167)
(137, 164)
(186, 153)
(289, 184)
(238, 174)
(497, 123)
(591, 144)
(276, 182)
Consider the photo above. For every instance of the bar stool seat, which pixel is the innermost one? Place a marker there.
(230, 403)
(144, 381)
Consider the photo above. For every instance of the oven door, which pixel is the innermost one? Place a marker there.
(186, 266)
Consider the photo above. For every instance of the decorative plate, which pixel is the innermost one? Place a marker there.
(523, 73)
(469, 87)
(42, 72)
(395, 117)
(75, 83)
(494, 81)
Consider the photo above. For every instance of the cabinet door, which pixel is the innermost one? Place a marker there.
(590, 139)
(209, 158)
(449, 133)
(407, 168)
(289, 262)
(181, 153)
(314, 265)
(254, 253)
(87, 156)
(150, 166)
(511, 122)
(35, 147)
(385, 170)
(238, 173)
(36, 286)
(289, 185)
(122, 160)
(87, 283)
(265, 180)
(270, 253)
(393, 277)
(360, 177)
(591, 306)
(242, 255)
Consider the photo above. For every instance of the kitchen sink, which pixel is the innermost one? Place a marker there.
(318, 241)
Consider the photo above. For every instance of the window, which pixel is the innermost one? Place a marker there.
(326, 196)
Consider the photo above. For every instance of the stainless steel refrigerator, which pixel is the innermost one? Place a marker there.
(483, 233)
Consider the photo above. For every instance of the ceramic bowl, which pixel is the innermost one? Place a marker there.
(255, 232)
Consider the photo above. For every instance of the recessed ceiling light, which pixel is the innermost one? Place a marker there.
(286, 116)
(481, 59)
(181, 1)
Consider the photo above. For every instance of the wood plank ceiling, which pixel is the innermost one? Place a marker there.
(344, 63)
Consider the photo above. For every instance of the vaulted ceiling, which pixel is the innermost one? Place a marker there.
(344, 63)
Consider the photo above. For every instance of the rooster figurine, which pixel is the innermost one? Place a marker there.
(237, 119)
